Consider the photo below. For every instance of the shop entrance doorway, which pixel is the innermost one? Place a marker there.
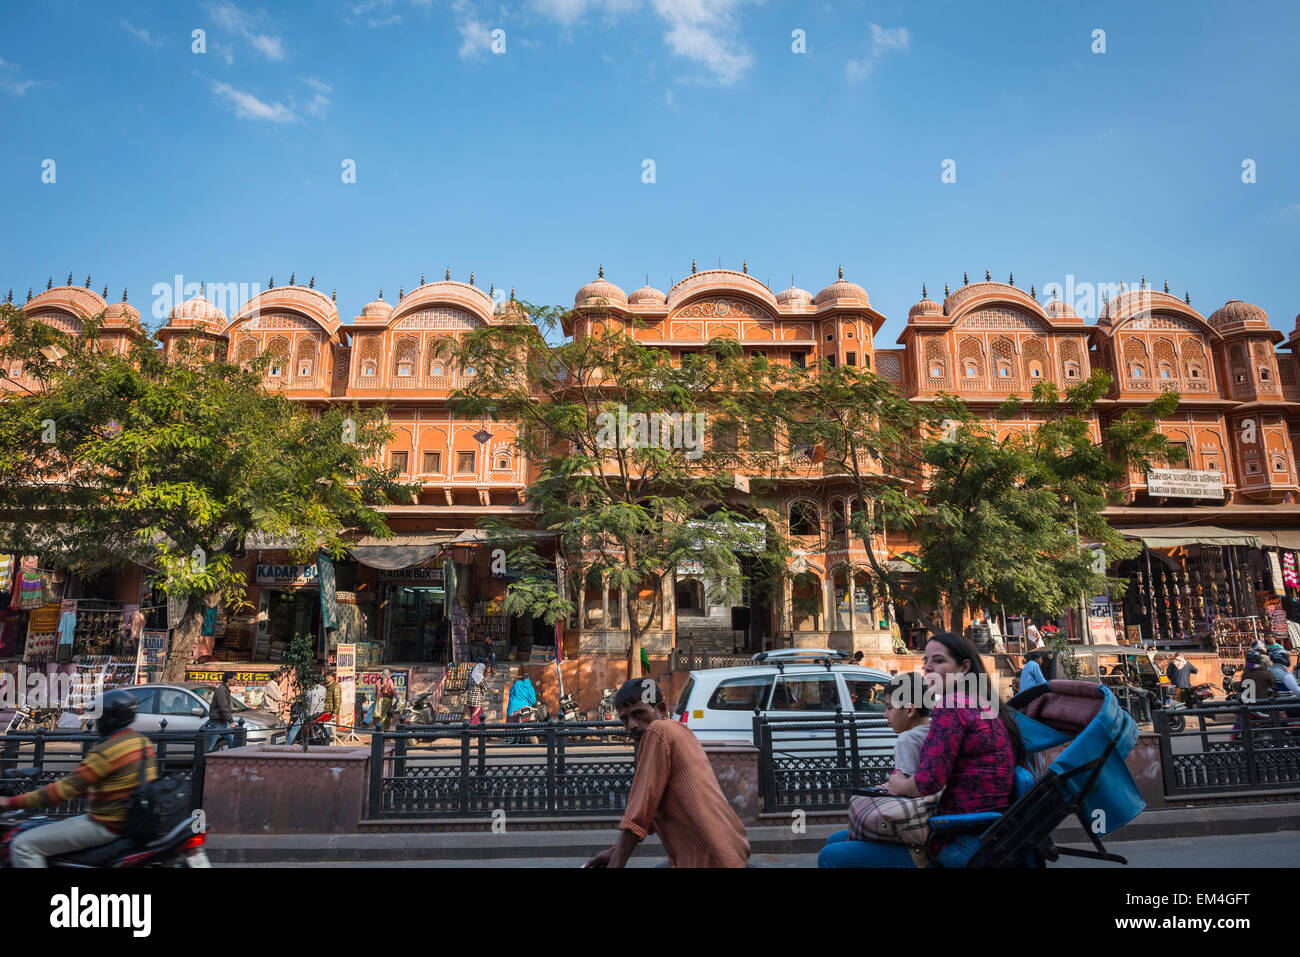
(415, 626)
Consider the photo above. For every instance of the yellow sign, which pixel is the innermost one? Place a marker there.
(346, 672)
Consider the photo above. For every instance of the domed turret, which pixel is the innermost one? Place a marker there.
(926, 307)
(841, 289)
(794, 295)
(598, 290)
(646, 294)
(195, 312)
(1239, 314)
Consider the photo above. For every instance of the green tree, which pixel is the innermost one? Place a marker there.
(109, 458)
(300, 665)
(634, 461)
(1003, 519)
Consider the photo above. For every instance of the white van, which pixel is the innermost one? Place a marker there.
(718, 704)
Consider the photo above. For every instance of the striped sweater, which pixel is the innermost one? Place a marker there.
(110, 773)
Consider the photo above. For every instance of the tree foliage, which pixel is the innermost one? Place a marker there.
(109, 458)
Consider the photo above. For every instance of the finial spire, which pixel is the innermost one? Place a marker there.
(29, 293)
(312, 284)
(923, 293)
(270, 283)
(1033, 291)
(381, 292)
(87, 280)
(401, 292)
(11, 296)
(421, 279)
(965, 279)
(1011, 279)
(1187, 297)
(334, 295)
(492, 290)
(105, 295)
(945, 290)
(292, 276)
(988, 277)
(203, 289)
(49, 284)
(1166, 286)
(124, 293)
(1144, 282)
(744, 267)
(841, 272)
(600, 273)
(69, 282)
(471, 279)
(692, 267)
(447, 276)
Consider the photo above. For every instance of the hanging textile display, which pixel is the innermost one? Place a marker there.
(1289, 573)
(1275, 573)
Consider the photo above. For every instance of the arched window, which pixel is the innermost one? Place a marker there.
(804, 519)
(1263, 374)
(839, 523)
(368, 369)
(936, 370)
(1035, 370)
(1071, 370)
(972, 370)
(278, 350)
(1138, 372)
(1166, 372)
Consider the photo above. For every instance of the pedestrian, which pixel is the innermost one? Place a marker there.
(333, 703)
(385, 697)
(475, 693)
(273, 696)
(1032, 673)
(1179, 672)
(674, 793)
(219, 712)
(313, 706)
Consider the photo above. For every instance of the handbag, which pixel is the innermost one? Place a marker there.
(156, 806)
(892, 820)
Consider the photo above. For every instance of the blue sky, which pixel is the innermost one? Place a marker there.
(526, 166)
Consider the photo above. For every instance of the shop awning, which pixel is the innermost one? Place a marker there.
(1174, 535)
(400, 551)
(1288, 538)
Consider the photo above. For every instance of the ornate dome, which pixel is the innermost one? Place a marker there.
(378, 309)
(600, 288)
(841, 289)
(1237, 312)
(793, 294)
(123, 313)
(646, 294)
(196, 311)
(926, 307)
(1060, 309)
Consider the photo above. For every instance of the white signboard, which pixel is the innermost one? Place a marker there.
(1185, 483)
(286, 574)
(412, 575)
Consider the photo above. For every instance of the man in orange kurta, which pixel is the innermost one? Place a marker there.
(675, 793)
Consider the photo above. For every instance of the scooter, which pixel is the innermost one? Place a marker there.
(532, 713)
(419, 711)
(34, 719)
(182, 846)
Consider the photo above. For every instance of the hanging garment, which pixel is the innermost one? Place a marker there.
(30, 594)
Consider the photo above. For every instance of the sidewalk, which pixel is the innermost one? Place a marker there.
(1275, 824)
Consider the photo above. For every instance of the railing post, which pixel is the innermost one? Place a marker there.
(855, 771)
(839, 738)
(198, 770)
(1248, 742)
(562, 730)
(550, 769)
(38, 749)
(376, 774)
(1160, 720)
(399, 755)
(482, 750)
(464, 768)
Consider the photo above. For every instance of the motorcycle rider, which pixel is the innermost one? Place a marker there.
(1257, 682)
(108, 775)
(522, 695)
(1281, 670)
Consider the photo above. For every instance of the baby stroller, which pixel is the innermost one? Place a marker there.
(1088, 781)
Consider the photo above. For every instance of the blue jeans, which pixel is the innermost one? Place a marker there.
(212, 738)
(841, 852)
(293, 731)
(370, 711)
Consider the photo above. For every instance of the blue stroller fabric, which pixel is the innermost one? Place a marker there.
(1085, 717)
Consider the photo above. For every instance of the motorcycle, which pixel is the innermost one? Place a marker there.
(569, 712)
(531, 713)
(182, 846)
(1176, 703)
(607, 711)
(34, 719)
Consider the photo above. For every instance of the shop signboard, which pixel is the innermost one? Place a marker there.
(150, 654)
(346, 671)
(1103, 630)
(1185, 483)
(42, 633)
(412, 575)
(286, 574)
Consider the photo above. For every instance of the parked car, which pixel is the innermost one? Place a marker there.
(184, 707)
(719, 704)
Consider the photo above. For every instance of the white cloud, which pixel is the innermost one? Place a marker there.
(896, 38)
(143, 35)
(234, 20)
(249, 107)
(268, 46)
(476, 38)
(883, 40)
(320, 103)
(858, 70)
(386, 21)
(704, 31)
(9, 83)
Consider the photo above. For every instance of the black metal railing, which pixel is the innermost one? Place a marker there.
(815, 764)
(56, 753)
(1230, 748)
(540, 769)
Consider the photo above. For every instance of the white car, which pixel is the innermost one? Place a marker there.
(184, 707)
(719, 704)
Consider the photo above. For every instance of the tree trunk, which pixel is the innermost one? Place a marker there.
(184, 636)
